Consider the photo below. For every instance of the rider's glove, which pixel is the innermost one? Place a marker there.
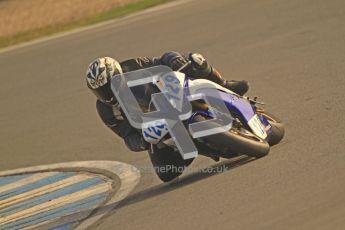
(173, 59)
(198, 61)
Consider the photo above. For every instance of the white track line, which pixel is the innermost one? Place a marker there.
(135, 16)
(58, 202)
(128, 175)
(25, 181)
(43, 190)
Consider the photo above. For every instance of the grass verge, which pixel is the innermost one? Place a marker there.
(49, 30)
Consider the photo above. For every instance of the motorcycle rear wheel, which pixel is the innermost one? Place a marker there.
(278, 130)
(236, 140)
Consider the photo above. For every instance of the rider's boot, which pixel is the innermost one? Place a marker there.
(201, 67)
(239, 87)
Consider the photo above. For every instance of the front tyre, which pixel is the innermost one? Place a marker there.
(168, 164)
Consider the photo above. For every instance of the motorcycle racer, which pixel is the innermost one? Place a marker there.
(101, 70)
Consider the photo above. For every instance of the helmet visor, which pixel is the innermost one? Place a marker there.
(104, 93)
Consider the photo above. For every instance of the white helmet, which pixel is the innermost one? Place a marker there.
(98, 76)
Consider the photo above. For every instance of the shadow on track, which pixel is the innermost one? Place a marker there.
(185, 180)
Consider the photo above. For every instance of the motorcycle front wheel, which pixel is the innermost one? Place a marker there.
(168, 164)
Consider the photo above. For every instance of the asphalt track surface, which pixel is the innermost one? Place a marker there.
(293, 54)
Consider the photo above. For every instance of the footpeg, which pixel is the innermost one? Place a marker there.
(254, 100)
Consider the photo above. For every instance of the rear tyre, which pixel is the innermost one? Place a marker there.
(168, 164)
(236, 141)
(278, 130)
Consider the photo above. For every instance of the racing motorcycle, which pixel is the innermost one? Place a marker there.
(252, 133)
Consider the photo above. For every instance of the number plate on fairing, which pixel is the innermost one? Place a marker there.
(257, 127)
(153, 134)
(171, 85)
